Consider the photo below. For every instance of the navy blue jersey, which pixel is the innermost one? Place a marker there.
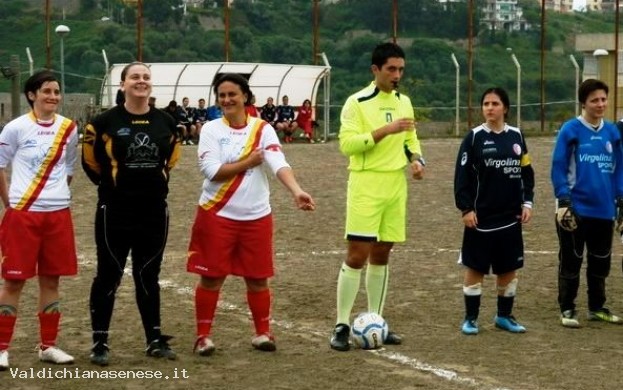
(200, 115)
(185, 114)
(493, 176)
(586, 167)
(285, 113)
(269, 113)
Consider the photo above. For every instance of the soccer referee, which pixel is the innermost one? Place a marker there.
(378, 135)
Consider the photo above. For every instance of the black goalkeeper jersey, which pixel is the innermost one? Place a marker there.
(129, 156)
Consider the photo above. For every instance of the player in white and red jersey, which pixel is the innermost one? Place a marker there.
(36, 233)
(233, 229)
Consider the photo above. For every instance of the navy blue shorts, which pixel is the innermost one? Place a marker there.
(500, 251)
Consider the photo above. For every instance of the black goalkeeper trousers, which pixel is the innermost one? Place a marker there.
(596, 236)
(120, 230)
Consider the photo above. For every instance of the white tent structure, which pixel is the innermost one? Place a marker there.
(174, 81)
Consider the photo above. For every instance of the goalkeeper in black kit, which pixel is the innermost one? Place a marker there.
(494, 190)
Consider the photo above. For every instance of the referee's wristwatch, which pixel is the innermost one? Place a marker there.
(421, 161)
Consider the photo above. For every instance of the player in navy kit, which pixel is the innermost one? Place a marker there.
(494, 189)
(588, 185)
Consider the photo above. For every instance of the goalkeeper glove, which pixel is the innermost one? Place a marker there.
(565, 216)
(618, 225)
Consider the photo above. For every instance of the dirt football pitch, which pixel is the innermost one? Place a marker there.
(425, 301)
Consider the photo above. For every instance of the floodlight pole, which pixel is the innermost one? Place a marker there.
(30, 61)
(456, 92)
(577, 83)
(15, 84)
(518, 66)
(62, 31)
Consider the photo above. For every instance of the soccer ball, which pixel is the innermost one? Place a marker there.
(369, 330)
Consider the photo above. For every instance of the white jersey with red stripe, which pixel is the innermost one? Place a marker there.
(244, 197)
(42, 156)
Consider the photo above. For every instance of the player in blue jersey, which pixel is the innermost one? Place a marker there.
(588, 186)
(494, 189)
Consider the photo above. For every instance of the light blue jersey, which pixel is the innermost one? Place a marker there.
(587, 167)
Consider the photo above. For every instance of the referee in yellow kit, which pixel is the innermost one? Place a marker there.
(378, 135)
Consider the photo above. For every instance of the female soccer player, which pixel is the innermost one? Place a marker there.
(128, 152)
(588, 185)
(37, 234)
(233, 229)
(494, 189)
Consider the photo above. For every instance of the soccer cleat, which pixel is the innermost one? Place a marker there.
(184, 142)
(4, 360)
(204, 346)
(54, 355)
(99, 354)
(190, 142)
(264, 342)
(392, 339)
(604, 315)
(340, 338)
(509, 324)
(160, 348)
(469, 327)
(569, 319)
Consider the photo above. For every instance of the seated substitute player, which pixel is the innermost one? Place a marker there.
(378, 135)
(285, 120)
(268, 112)
(200, 115)
(185, 117)
(494, 189)
(304, 119)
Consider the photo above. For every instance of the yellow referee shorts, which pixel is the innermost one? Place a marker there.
(376, 204)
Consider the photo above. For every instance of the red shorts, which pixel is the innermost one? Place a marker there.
(37, 243)
(221, 246)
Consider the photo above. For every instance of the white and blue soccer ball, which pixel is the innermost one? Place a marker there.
(369, 330)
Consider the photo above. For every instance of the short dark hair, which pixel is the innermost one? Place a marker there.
(588, 86)
(236, 79)
(384, 51)
(34, 83)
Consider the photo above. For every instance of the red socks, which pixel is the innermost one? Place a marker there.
(259, 303)
(205, 307)
(7, 325)
(48, 328)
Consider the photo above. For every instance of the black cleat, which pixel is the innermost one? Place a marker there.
(340, 339)
(160, 348)
(99, 354)
(392, 339)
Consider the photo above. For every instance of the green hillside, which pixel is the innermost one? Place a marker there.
(281, 31)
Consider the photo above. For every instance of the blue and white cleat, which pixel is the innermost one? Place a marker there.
(509, 324)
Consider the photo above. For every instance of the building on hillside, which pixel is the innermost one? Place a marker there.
(503, 15)
(561, 6)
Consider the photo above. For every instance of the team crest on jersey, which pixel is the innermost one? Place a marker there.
(124, 131)
(464, 158)
(608, 147)
(517, 149)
